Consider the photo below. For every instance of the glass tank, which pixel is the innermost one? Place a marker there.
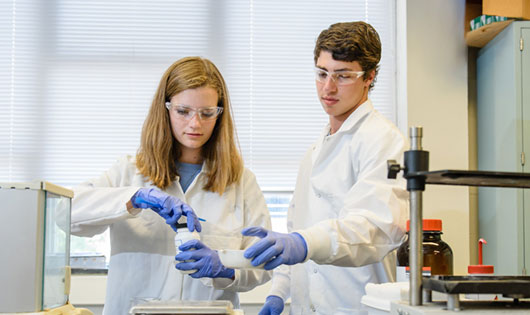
(57, 250)
(35, 229)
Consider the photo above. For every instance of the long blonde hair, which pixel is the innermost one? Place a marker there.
(159, 150)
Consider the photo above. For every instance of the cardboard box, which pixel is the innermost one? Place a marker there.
(482, 20)
(473, 9)
(511, 8)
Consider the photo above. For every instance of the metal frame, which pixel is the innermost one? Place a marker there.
(416, 171)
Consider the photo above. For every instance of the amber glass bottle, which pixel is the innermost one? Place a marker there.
(436, 253)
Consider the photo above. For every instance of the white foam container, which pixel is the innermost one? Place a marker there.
(233, 258)
(379, 296)
(375, 306)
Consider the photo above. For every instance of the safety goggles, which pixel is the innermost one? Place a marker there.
(340, 78)
(186, 112)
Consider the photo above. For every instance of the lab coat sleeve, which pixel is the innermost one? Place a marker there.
(256, 214)
(281, 277)
(371, 221)
(101, 201)
(281, 282)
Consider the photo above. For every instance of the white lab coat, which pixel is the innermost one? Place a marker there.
(349, 213)
(142, 263)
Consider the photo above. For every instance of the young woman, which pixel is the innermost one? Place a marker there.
(188, 164)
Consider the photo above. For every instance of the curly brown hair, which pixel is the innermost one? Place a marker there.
(352, 41)
(159, 150)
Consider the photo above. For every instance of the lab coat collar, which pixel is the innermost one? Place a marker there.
(353, 119)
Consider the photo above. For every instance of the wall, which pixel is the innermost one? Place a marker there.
(437, 100)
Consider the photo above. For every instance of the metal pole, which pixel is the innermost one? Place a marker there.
(453, 302)
(416, 247)
(416, 133)
(416, 229)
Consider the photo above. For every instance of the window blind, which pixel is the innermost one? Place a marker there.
(77, 77)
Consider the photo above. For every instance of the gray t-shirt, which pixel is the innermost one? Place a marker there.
(187, 173)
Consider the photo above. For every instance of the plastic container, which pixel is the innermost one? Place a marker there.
(183, 235)
(437, 254)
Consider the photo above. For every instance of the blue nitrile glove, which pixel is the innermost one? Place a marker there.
(273, 306)
(168, 207)
(275, 248)
(206, 261)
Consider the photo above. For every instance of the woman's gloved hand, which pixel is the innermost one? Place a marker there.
(273, 306)
(275, 248)
(168, 207)
(206, 261)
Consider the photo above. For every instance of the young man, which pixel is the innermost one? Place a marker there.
(345, 215)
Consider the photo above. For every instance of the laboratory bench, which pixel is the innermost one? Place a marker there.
(466, 307)
(88, 291)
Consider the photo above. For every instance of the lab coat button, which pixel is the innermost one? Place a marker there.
(313, 309)
(319, 196)
(315, 270)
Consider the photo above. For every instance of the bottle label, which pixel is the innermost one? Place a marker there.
(403, 273)
(182, 237)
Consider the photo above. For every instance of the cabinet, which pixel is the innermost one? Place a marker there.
(503, 134)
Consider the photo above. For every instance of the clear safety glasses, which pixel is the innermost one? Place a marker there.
(340, 77)
(187, 112)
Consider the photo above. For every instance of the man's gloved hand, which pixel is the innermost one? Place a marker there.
(206, 261)
(275, 248)
(273, 306)
(168, 207)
